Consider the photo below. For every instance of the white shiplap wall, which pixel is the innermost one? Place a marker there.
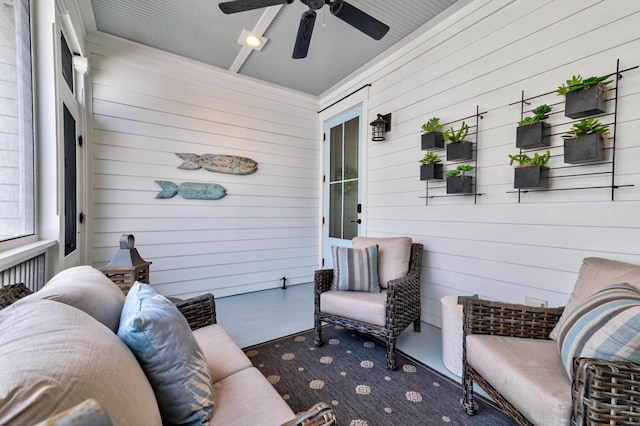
(149, 105)
(484, 55)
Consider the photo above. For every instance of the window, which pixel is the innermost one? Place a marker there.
(17, 210)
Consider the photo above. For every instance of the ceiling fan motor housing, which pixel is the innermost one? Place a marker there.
(314, 4)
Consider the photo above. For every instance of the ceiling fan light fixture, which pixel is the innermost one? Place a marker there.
(252, 40)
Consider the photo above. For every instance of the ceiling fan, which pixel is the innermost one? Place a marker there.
(339, 8)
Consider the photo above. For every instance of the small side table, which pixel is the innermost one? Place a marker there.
(452, 334)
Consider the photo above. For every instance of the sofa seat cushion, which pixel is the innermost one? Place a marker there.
(369, 308)
(87, 289)
(394, 254)
(595, 274)
(55, 356)
(223, 356)
(527, 372)
(162, 341)
(247, 398)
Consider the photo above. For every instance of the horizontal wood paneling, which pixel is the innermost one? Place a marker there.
(484, 56)
(146, 107)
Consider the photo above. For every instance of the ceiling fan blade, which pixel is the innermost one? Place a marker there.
(359, 19)
(305, 30)
(243, 5)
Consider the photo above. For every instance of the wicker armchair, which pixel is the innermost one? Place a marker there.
(402, 307)
(602, 392)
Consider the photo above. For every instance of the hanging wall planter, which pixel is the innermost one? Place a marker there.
(459, 185)
(458, 148)
(531, 172)
(585, 149)
(432, 140)
(584, 142)
(458, 182)
(531, 177)
(585, 102)
(460, 151)
(532, 131)
(534, 135)
(584, 97)
(432, 136)
(431, 171)
(431, 166)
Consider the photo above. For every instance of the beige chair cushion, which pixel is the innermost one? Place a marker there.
(223, 356)
(246, 398)
(393, 256)
(87, 289)
(527, 372)
(369, 308)
(596, 274)
(54, 356)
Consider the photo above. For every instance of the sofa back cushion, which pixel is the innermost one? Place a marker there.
(596, 274)
(87, 289)
(54, 356)
(394, 254)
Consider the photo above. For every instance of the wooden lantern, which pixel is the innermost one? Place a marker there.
(127, 266)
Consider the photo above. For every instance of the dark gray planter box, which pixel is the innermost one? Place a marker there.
(432, 140)
(459, 185)
(431, 171)
(533, 135)
(585, 149)
(462, 150)
(586, 102)
(531, 177)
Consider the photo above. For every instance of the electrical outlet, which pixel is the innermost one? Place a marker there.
(532, 301)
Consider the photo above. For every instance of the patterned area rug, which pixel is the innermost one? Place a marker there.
(349, 373)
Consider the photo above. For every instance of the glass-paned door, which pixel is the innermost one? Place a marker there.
(342, 181)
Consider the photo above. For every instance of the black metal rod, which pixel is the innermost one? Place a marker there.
(613, 138)
(345, 97)
(571, 189)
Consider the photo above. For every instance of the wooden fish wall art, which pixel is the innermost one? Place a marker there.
(191, 190)
(230, 164)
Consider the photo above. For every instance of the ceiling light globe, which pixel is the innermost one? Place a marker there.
(252, 40)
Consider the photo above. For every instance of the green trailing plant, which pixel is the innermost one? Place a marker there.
(433, 125)
(456, 136)
(577, 83)
(430, 158)
(539, 114)
(524, 160)
(586, 127)
(460, 170)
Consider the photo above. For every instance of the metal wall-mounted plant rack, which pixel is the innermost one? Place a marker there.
(586, 169)
(439, 186)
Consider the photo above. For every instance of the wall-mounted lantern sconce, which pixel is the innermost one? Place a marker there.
(380, 126)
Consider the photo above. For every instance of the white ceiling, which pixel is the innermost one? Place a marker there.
(198, 30)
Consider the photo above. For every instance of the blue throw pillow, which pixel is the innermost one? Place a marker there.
(604, 326)
(355, 269)
(160, 338)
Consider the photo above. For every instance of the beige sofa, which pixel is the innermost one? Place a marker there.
(575, 365)
(58, 347)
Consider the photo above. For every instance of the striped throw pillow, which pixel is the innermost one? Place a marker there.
(604, 326)
(355, 269)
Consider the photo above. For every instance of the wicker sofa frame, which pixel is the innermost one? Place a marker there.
(602, 392)
(200, 311)
(403, 307)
